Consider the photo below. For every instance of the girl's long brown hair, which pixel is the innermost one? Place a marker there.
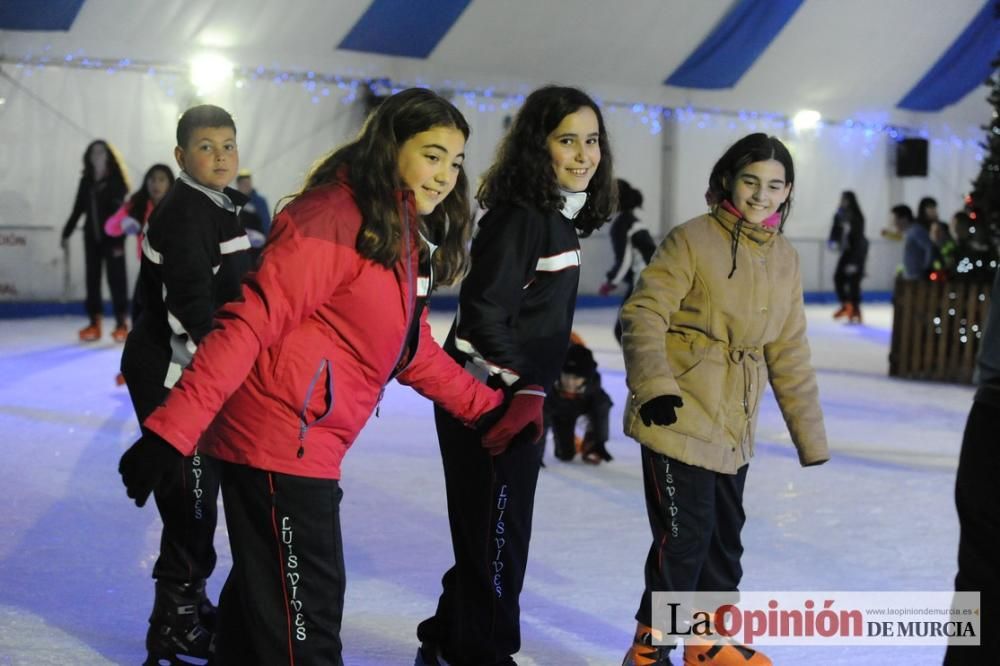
(372, 167)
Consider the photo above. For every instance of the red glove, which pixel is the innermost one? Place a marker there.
(523, 413)
(606, 288)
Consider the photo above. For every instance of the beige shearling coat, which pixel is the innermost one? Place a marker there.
(691, 331)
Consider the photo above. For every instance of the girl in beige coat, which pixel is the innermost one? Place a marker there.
(717, 312)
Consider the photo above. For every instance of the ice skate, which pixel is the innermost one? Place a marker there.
(177, 634)
(644, 653)
(595, 452)
(119, 333)
(91, 332)
(722, 653)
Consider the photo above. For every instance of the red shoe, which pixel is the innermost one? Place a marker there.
(855, 317)
(120, 333)
(91, 333)
(119, 379)
(842, 312)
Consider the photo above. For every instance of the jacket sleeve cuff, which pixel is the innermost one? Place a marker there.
(151, 429)
(523, 383)
(662, 386)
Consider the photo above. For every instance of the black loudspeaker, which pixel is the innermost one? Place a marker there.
(911, 157)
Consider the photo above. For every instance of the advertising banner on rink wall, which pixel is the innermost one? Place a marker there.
(31, 264)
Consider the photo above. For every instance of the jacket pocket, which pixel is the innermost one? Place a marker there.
(302, 379)
(701, 376)
(319, 398)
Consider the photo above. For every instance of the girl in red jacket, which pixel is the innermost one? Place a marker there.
(280, 389)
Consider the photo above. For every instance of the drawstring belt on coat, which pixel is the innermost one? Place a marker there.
(741, 355)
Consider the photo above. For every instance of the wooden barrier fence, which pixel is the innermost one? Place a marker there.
(937, 328)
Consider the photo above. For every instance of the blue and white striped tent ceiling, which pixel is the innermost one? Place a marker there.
(898, 60)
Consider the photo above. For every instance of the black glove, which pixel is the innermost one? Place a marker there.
(145, 463)
(661, 410)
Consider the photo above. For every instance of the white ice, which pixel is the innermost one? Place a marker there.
(76, 555)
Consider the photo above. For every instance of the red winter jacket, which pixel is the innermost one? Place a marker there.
(290, 373)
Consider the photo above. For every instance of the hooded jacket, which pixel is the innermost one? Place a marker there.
(691, 331)
(294, 369)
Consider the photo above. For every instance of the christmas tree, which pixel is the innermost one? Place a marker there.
(983, 203)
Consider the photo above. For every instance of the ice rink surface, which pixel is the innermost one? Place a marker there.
(76, 555)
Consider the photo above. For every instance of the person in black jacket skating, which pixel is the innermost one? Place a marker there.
(550, 183)
(632, 243)
(102, 190)
(194, 255)
(847, 235)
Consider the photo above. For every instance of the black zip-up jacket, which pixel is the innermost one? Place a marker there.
(516, 305)
(848, 234)
(97, 202)
(988, 362)
(194, 256)
(633, 246)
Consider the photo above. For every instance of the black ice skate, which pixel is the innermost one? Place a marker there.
(178, 634)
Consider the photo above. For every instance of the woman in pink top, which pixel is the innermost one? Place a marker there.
(158, 180)
(155, 185)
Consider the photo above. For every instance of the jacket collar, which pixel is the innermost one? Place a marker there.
(754, 233)
(229, 199)
(573, 203)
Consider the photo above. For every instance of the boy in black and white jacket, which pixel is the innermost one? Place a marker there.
(194, 255)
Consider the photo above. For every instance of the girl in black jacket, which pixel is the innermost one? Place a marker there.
(632, 243)
(551, 182)
(101, 191)
(848, 235)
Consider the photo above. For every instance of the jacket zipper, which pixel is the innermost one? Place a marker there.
(305, 425)
(411, 298)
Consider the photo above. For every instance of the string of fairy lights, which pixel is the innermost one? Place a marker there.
(323, 88)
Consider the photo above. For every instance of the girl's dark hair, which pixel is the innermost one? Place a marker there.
(629, 198)
(925, 203)
(758, 147)
(203, 115)
(139, 200)
(372, 166)
(854, 213)
(522, 169)
(116, 174)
